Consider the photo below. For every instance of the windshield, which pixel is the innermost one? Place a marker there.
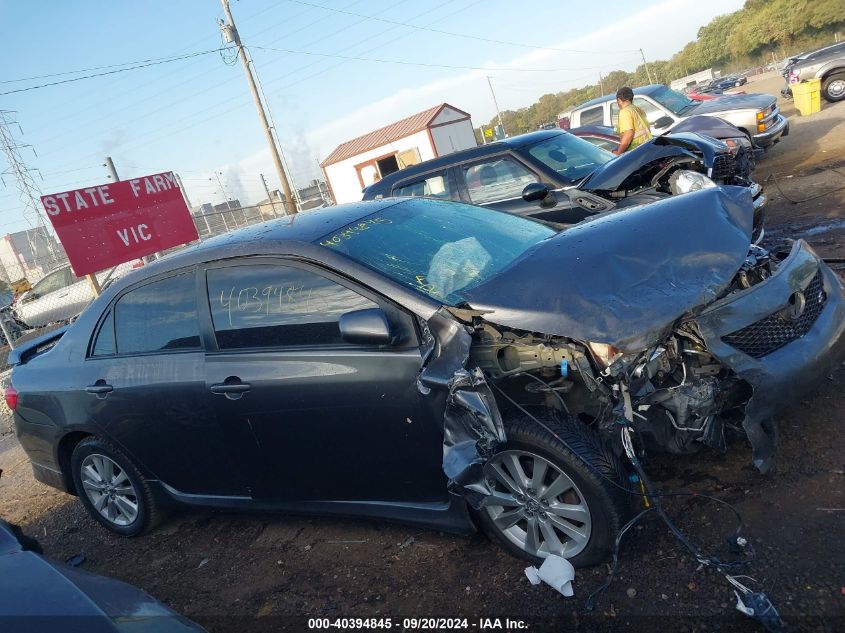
(436, 247)
(570, 156)
(671, 100)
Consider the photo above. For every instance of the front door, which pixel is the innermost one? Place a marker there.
(497, 182)
(332, 420)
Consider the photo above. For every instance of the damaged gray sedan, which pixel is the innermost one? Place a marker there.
(429, 362)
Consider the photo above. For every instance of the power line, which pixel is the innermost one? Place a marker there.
(453, 34)
(423, 64)
(87, 70)
(112, 72)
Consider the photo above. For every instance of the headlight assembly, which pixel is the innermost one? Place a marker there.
(684, 181)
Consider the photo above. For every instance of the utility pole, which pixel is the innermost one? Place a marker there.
(647, 69)
(496, 103)
(230, 31)
(601, 85)
(109, 165)
(269, 197)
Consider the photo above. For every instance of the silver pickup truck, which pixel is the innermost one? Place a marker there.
(755, 114)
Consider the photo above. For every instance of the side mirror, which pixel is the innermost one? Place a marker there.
(664, 121)
(535, 192)
(368, 326)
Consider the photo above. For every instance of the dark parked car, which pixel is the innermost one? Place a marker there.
(737, 143)
(723, 83)
(557, 177)
(38, 595)
(411, 358)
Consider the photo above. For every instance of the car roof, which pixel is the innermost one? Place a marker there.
(383, 185)
(304, 227)
(642, 90)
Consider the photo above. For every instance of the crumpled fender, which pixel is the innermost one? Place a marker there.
(472, 426)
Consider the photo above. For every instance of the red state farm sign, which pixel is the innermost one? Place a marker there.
(110, 224)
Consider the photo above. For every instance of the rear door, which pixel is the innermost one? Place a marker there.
(332, 420)
(145, 387)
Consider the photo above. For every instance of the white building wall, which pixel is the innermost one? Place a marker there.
(344, 179)
(453, 137)
(447, 115)
(9, 260)
(691, 80)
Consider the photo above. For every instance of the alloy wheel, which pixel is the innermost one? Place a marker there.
(537, 506)
(109, 489)
(836, 88)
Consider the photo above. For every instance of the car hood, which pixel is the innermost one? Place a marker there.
(710, 125)
(626, 277)
(625, 169)
(756, 101)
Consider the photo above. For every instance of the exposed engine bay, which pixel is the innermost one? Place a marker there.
(678, 396)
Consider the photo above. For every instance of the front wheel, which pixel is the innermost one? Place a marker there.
(547, 500)
(111, 488)
(833, 88)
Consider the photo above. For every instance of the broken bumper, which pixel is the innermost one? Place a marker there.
(782, 336)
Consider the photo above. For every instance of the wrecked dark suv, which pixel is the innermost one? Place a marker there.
(429, 362)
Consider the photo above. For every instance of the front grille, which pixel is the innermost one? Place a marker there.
(776, 330)
(724, 167)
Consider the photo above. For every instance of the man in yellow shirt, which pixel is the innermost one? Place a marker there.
(633, 125)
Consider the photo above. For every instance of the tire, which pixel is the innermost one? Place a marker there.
(96, 453)
(833, 87)
(607, 506)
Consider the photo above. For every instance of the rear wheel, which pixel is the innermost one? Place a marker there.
(111, 488)
(547, 500)
(833, 88)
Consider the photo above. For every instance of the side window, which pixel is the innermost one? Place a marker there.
(434, 186)
(105, 344)
(652, 112)
(592, 116)
(269, 305)
(614, 115)
(52, 282)
(497, 179)
(160, 316)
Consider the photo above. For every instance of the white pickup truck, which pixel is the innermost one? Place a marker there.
(755, 114)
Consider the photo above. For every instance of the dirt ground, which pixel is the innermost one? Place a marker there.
(270, 572)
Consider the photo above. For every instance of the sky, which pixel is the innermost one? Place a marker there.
(196, 117)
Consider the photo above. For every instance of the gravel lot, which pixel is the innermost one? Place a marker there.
(265, 572)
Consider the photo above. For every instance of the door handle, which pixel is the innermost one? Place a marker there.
(232, 388)
(99, 388)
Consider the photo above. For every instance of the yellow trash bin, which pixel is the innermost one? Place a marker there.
(808, 96)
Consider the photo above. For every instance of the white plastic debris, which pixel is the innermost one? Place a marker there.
(533, 575)
(740, 605)
(556, 572)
